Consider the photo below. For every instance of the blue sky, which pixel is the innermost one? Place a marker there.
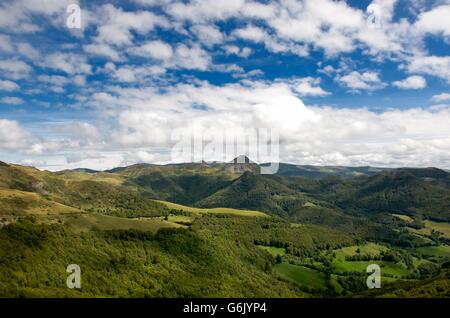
(345, 82)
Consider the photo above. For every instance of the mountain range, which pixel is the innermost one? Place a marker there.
(309, 214)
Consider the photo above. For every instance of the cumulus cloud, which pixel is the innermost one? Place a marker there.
(309, 135)
(116, 25)
(357, 81)
(68, 63)
(5, 43)
(411, 82)
(251, 33)
(441, 97)
(8, 86)
(11, 100)
(12, 136)
(435, 21)
(133, 73)
(32, 162)
(309, 86)
(438, 66)
(236, 50)
(128, 56)
(102, 49)
(15, 69)
(158, 50)
(208, 34)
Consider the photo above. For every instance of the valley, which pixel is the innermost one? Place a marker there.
(210, 230)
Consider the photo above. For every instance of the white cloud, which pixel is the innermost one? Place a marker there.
(5, 43)
(251, 33)
(236, 50)
(11, 100)
(55, 80)
(208, 34)
(12, 136)
(86, 133)
(361, 81)
(15, 69)
(309, 135)
(8, 86)
(431, 65)
(132, 74)
(435, 21)
(308, 86)
(441, 97)
(192, 58)
(116, 24)
(146, 113)
(201, 11)
(411, 82)
(139, 156)
(28, 51)
(146, 117)
(155, 49)
(67, 62)
(17, 15)
(102, 49)
(32, 162)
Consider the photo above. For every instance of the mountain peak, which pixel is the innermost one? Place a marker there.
(241, 159)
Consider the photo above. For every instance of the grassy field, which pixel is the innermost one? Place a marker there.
(392, 269)
(443, 227)
(341, 265)
(301, 275)
(439, 251)
(230, 211)
(113, 179)
(273, 250)
(84, 222)
(371, 249)
(404, 217)
(22, 203)
(180, 219)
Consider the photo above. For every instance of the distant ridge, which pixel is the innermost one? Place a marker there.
(4, 164)
(85, 170)
(243, 163)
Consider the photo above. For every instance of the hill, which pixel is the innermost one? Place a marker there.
(181, 230)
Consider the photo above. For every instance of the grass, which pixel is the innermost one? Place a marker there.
(443, 227)
(439, 251)
(21, 202)
(301, 275)
(404, 217)
(392, 269)
(180, 219)
(112, 179)
(84, 222)
(340, 264)
(273, 250)
(365, 249)
(230, 211)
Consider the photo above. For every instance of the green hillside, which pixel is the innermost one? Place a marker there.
(223, 230)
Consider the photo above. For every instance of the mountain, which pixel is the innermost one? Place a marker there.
(316, 172)
(355, 191)
(303, 232)
(421, 192)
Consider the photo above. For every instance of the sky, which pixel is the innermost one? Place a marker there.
(351, 83)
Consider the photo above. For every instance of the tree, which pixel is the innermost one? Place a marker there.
(279, 259)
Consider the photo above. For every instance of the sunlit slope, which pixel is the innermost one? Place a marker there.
(229, 211)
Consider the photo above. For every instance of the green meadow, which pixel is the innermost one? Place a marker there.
(229, 211)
